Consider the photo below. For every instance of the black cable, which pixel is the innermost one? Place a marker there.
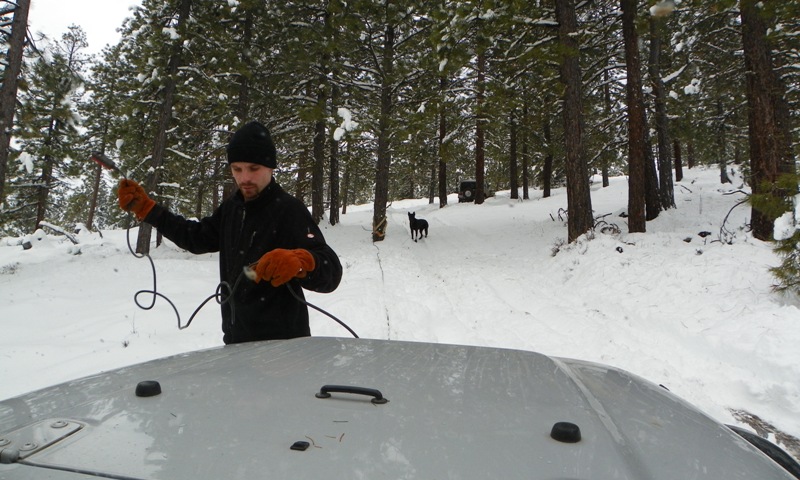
(218, 294)
(300, 299)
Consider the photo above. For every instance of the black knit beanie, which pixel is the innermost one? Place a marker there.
(252, 143)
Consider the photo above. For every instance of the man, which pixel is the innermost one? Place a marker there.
(262, 226)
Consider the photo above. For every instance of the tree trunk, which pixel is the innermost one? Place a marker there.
(480, 135)
(432, 179)
(160, 142)
(512, 156)
(579, 201)
(441, 142)
(334, 166)
(676, 147)
(637, 123)
(384, 152)
(48, 166)
(652, 191)
(769, 134)
(608, 156)
(666, 189)
(43, 190)
(547, 169)
(525, 159)
(302, 173)
(346, 181)
(198, 198)
(8, 90)
(318, 170)
(98, 175)
(721, 141)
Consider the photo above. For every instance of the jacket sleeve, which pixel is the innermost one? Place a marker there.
(327, 271)
(192, 235)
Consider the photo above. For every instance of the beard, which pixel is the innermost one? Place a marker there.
(249, 190)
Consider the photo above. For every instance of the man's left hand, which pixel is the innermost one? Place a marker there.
(281, 265)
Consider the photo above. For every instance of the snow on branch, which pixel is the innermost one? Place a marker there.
(60, 230)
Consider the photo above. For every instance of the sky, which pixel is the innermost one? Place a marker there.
(673, 305)
(98, 18)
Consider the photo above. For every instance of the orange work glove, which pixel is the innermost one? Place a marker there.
(281, 265)
(133, 198)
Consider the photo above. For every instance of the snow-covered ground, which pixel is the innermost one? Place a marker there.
(680, 309)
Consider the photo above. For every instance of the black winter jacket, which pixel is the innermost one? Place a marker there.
(242, 232)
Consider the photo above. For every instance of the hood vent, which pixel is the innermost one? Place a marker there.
(26, 441)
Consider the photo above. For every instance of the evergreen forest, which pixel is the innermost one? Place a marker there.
(370, 101)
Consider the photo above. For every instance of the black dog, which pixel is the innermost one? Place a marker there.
(418, 226)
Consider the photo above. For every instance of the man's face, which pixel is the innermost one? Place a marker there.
(251, 178)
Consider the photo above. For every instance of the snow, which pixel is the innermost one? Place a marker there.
(683, 310)
(171, 32)
(662, 8)
(347, 123)
(26, 162)
(693, 88)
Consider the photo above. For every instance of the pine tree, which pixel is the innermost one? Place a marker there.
(103, 134)
(48, 132)
(770, 137)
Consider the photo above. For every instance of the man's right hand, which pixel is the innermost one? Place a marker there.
(133, 198)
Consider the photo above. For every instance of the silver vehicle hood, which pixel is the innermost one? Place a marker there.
(453, 412)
